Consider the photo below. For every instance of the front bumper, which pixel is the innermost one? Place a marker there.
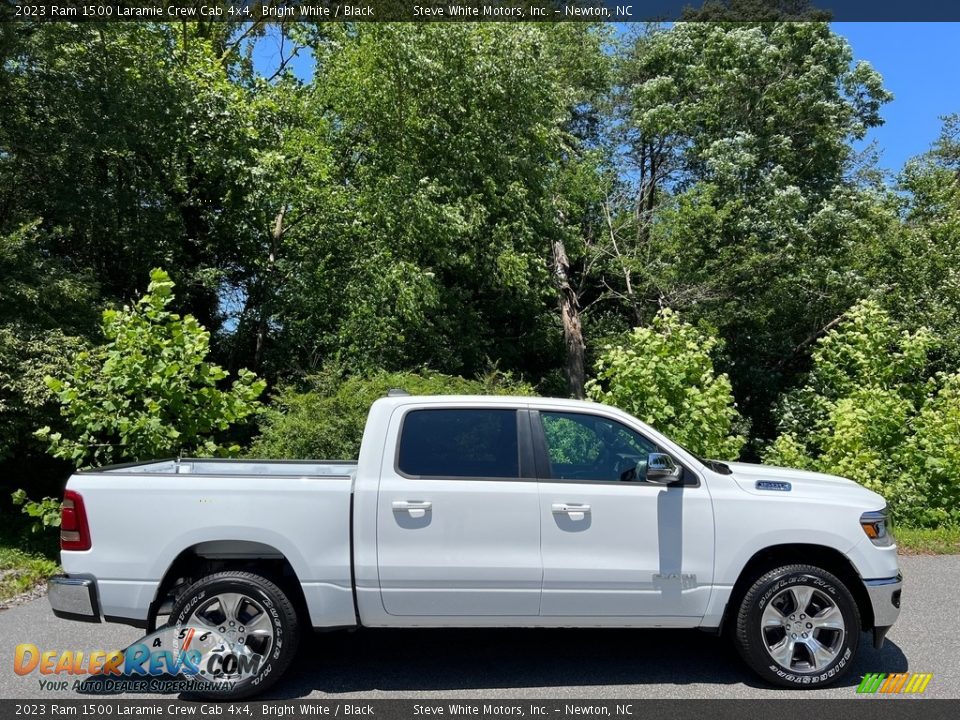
(74, 597)
(885, 599)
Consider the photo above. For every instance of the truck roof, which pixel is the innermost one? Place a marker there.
(485, 399)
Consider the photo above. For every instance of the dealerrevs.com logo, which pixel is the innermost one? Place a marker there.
(171, 660)
(894, 683)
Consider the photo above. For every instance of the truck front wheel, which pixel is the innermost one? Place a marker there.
(242, 630)
(798, 626)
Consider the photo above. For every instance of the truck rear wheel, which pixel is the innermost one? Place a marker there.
(798, 626)
(243, 627)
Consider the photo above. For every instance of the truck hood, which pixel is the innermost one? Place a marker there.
(802, 484)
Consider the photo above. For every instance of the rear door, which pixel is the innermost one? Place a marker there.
(458, 526)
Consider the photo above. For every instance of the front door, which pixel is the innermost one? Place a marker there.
(613, 544)
(458, 527)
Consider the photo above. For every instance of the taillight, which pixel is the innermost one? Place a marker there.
(74, 531)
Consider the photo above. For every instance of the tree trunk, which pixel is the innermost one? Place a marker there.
(267, 288)
(570, 316)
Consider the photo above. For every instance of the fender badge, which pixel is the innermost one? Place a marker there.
(773, 485)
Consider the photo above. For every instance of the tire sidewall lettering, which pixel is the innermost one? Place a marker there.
(755, 631)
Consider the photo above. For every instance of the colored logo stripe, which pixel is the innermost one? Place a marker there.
(870, 682)
(893, 683)
(918, 683)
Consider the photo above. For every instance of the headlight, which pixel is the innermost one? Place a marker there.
(876, 524)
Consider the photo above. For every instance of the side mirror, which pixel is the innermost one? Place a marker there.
(661, 469)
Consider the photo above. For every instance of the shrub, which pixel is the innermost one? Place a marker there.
(868, 412)
(664, 375)
(326, 419)
(932, 452)
(148, 391)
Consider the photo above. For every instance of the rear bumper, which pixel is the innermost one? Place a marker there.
(885, 599)
(74, 597)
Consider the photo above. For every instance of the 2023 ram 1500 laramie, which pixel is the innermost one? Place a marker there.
(485, 512)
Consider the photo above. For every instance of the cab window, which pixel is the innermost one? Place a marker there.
(589, 447)
(480, 443)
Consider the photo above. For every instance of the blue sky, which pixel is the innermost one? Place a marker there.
(919, 63)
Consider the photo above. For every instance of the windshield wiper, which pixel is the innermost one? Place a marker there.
(718, 467)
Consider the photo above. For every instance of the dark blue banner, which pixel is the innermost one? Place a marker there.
(618, 11)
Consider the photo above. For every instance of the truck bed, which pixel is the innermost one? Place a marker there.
(143, 516)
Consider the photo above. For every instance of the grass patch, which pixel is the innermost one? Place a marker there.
(20, 571)
(26, 558)
(928, 541)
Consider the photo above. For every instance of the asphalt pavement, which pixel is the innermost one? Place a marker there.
(553, 664)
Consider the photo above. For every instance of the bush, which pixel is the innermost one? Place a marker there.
(932, 452)
(149, 390)
(869, 413)
(326, 420)
(664, 375)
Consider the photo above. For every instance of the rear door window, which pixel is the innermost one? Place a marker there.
(458, 443)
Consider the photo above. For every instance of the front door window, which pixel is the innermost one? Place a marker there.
(591, 447)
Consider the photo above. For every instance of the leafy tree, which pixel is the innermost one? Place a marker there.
(747, 209)
(451, 182)
(137, 141)
(917, 271)
(755, 11)
(47, 313)
(149, 389)
(327, 419)
(664, 375)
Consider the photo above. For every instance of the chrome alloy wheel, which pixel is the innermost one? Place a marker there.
(803, 629)
(237, 629)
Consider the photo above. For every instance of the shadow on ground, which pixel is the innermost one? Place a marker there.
(447, 660)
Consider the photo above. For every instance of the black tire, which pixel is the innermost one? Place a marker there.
(752, 641)
(281, 617)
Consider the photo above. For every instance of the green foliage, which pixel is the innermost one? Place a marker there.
(918, 270)
(45, 512)
(868, 358)
(869, 413)
(455, 167)
(326, 420)
(136, 141)
(149, 390)
(571, 442)
(932, 452)
(664, 375)
(46, 311)
(757, 218)
(20, 570)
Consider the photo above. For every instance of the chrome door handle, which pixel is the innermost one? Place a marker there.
(573, 510)
(416, 508)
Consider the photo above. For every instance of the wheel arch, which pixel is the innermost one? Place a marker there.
(822, 556)
(207, 557)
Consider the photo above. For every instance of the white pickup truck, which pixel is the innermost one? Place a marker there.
(483, 512)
